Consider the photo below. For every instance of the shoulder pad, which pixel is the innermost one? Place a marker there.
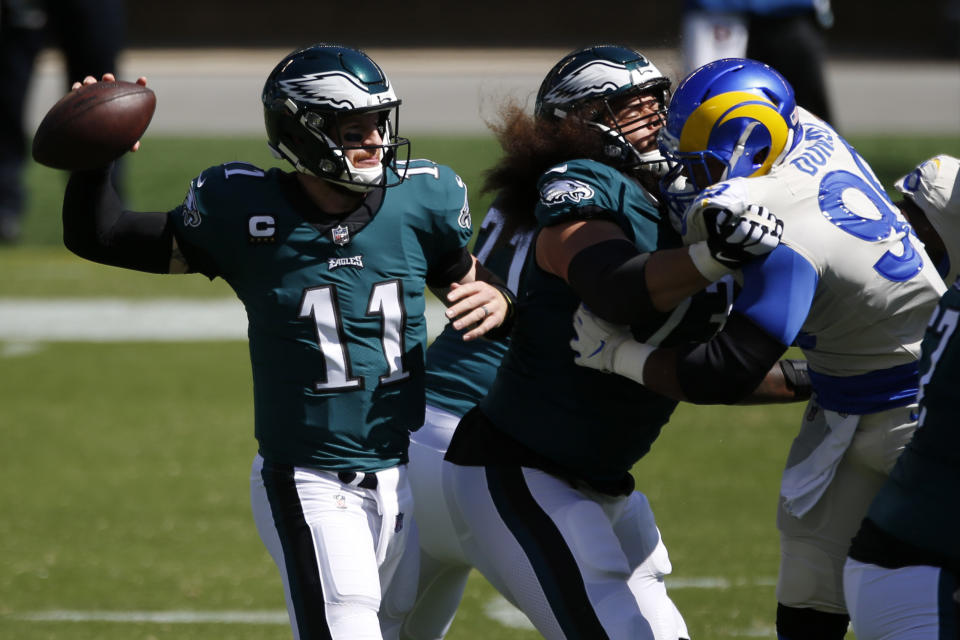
(227, 171)
(418, 167)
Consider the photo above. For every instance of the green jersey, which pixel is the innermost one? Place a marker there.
(592, 424)
(335, 310)
(918, 505)
(460, 373)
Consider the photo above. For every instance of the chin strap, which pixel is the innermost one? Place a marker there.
(362, 180)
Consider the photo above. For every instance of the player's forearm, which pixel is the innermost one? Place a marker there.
(734, 367)
(787, 381)
(98, 228)
(671, 277)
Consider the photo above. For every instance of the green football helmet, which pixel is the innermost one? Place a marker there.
(588, 83)
(307, 94)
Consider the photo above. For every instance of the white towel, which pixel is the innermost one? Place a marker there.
(804, 483)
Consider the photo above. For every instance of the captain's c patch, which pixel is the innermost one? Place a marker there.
(262, 228)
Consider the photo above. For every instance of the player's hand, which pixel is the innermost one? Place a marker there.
(597, 340)
(608, 347)
(734, 238)
(476, 306)
(109, 77)
(678, 194)
(737, 238)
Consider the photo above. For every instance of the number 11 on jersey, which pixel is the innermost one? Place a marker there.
(320, 303)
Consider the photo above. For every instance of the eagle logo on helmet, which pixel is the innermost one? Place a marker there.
(336, 89)
(596, 78)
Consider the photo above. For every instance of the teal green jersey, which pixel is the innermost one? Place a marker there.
(335, 310)
(919, 502)
(593, 424)
(460, 373)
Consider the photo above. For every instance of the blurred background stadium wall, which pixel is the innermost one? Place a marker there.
(878, 28)
(206, 60)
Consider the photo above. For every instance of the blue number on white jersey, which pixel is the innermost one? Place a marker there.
(836, 210)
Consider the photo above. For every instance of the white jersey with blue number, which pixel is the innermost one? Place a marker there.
(850, 284)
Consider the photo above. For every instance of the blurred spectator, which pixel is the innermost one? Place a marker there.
(90, 35)
(786, 34)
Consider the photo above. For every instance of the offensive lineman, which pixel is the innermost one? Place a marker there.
(330, 262)
(537, 475)
(459, 374)
(850, 285)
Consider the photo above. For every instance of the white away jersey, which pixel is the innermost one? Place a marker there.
(850, 284)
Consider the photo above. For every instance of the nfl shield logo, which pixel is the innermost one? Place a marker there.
(341, 235)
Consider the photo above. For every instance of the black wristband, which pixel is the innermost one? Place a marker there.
(503, 330)
(797, 376)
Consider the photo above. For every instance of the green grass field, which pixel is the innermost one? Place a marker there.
(123, 473)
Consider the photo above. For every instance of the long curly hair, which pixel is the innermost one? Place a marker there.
(530, 147)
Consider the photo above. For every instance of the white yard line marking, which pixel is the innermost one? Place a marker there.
(499, 610)
(718, 583)
(28, 320)
(160, 617)
(496, 609)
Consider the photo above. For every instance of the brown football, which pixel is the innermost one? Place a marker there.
(94, 125)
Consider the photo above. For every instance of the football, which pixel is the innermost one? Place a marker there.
(93, 125)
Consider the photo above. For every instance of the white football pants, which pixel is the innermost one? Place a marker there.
(337, 546)
(579, 564)
(910, 603)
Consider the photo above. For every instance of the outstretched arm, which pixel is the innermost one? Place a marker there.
(98, 228)
(623, 285)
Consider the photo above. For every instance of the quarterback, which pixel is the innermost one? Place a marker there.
(850, 285)
(331, 262)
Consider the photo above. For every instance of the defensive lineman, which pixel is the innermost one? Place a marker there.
(850, 285)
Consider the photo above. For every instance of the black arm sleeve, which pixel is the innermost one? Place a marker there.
(450, 267)
(729, 367)
(610, 279)
(98, 228)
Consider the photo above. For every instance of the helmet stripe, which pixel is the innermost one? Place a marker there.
(719, 109)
